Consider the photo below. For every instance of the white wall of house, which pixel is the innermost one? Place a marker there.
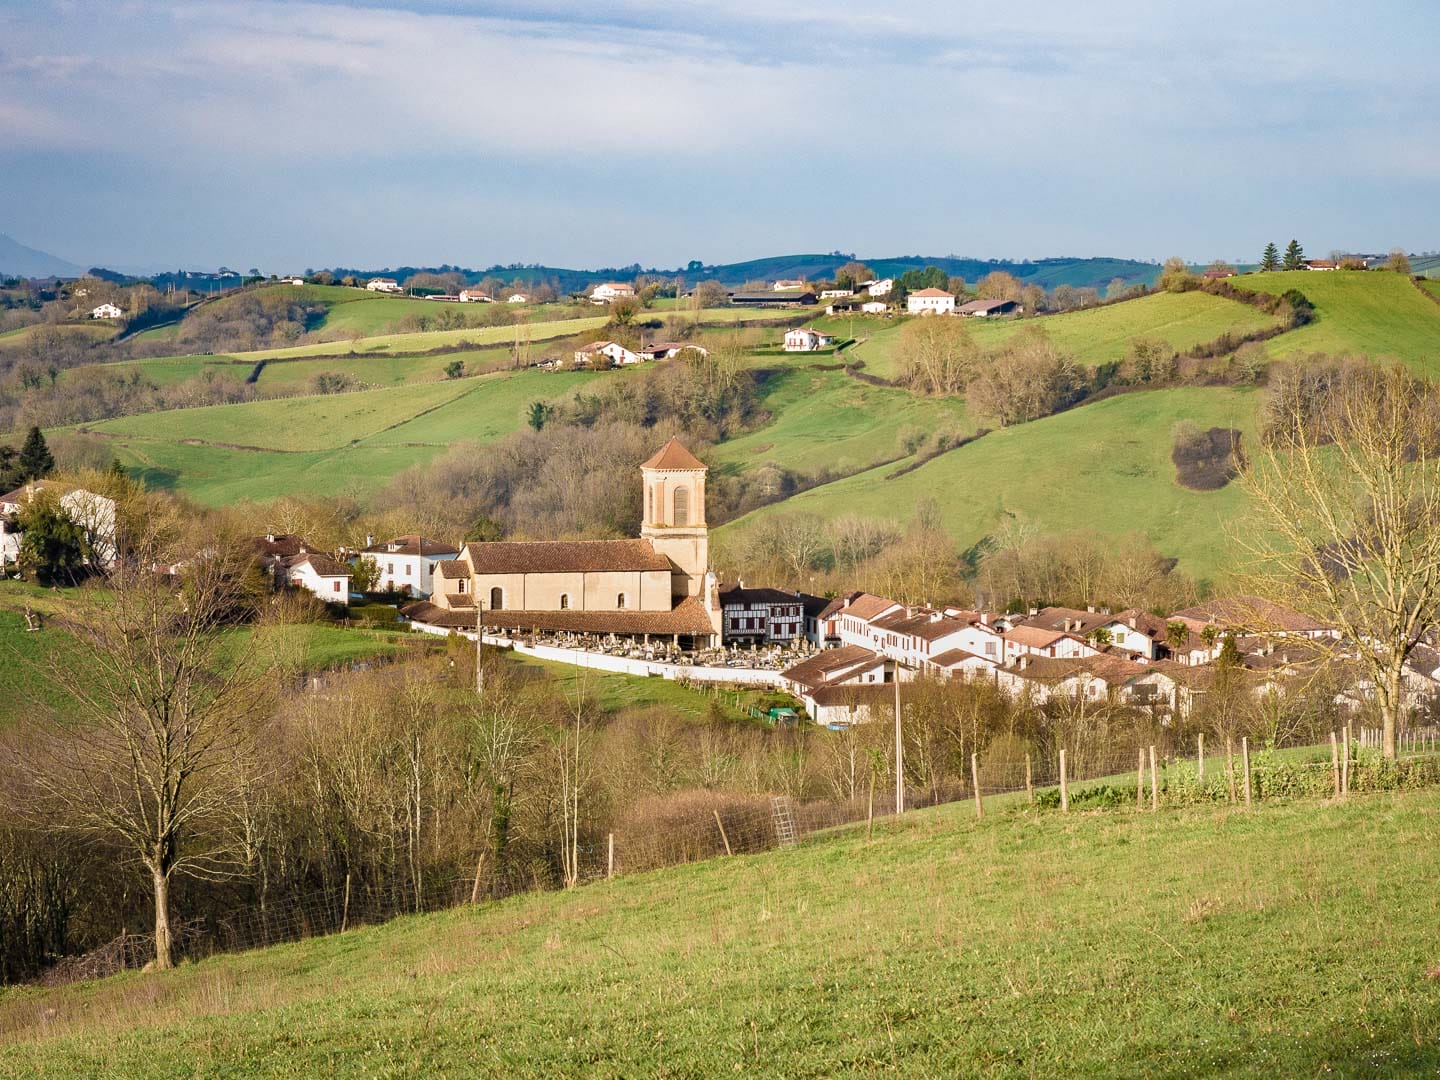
(412, 573)
(930, 305)
(332, 588)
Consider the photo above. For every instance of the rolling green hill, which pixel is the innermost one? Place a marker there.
(1373, 313)
(1093, 336)
(1104, 466)
(1296, 939)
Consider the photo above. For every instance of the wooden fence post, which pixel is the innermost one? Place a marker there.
(1140, 779)
(870, 809)
(345, 914)
(719, 825)
(1335, 761)
(1245, 761)
(975, 777)
(1230, 767)
(1345, 759)
(1154, 783)
(610, 856)
(475, 887)
(1029, 787)
(1064, 785)
(1200, 759)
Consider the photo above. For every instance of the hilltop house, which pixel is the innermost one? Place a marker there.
(382, 284)
(106, 311)
(883, 287)
(788, 284)
(988, 309)
(612, 290)
(836, 294)
(475, 296)
(407, 563)
(1321, 264)
(807, 339)
(616, 352)
(930, 302)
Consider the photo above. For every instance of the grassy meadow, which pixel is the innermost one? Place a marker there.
(1102, 467)
(1296, 939)
(1370, 313)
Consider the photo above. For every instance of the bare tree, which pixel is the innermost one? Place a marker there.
(1347, 495)
(153, 755)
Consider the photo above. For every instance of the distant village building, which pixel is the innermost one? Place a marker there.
(807, 339)
(658, 586)
(771, 298)
(293, 281)
(883, 287)
(94, 514)
(789, 284)
(617, 353)
(106, 311)
(517, 298)
(988, 309)
(761, 616)
(1217, 274)
(475, 296)
(835, 294)
(383, 284)
(930, 302)
(1321, 264)
(612, 290)
(407, 563)
(875, 307)
(668, 350)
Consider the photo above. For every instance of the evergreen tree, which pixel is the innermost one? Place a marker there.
(1294, 256)
(35, 457)
(10, 477)
(1270, 260)
(54, 550)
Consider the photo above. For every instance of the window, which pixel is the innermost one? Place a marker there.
(620, 600)
(564, 601)
(989, 648)
(335, 587)
(497, 599)
(389, 568)
(682, 506)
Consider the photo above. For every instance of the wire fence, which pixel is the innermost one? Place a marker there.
(708, 825)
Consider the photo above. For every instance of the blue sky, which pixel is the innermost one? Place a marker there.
(286, 135)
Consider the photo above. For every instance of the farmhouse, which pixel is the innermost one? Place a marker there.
(668, 350)
(612, 290)
(988, 309)
(659, 585)
(106, 311)
(407, 563)
(930, 302)
(787, 284)
(94, 515)
(382, 284)
(836, 294)
(1217, 274)
(807, 339)
(293, 281)
(1321, 264)
(613, 350)
(883, 287)
(517, 298)
(475, 296)
(292, 561)
(875, 307)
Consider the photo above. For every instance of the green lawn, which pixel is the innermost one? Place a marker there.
(1373, 313)
(436, 339)
(1093, 336)
(1293, 940)
(1103, 467)
(828, 420)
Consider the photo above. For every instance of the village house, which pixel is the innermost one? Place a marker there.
(822, 622)
(875, 307)
(1252, 616)
(883, 287)
(406, 564)
(789, 284)
(1217, 274)
(293, 561)
(475, 296)
(989, 309)
(618, 354)
(807, 339)
(106, 311)
(843, 686)
(517, 298)
(612, 290)
(761, 616)
(1321, 264)
(836, 294)
(668, 350)
(382, 284)
(930, 302)
(94, 514)
(294, 281)
(658, 586)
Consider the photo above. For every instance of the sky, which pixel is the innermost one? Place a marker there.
(287, 135)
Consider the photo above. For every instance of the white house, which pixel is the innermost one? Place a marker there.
(788, 284)
(517, 298)
(106, 311)
(612, 290)
(668, 350)
(94, 514)
(319, 574)
(875, 307)
(617, 353)
(807, 339)
(930, 302)
(407, 563)
(883, 287)
(382, 284)
(294, 281)
(835, 294)
(475, 296)
(761, 616)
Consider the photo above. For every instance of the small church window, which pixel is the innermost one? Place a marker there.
(497, 599)
(564, 601)
(682, 506)
(620, 600)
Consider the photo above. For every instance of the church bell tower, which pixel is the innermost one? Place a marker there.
(674, 516)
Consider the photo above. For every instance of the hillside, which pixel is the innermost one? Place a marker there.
(21, 261)
(1293, 940)
(1102, 467)
(1370, 313)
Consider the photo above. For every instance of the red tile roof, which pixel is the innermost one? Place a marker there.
(673, 455)
(561, 556)
(411, 544)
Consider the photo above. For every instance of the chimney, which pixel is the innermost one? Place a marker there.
(1024, 661)
(270, 537)
(369, 540)
(984, 618)
(1090, 608)
(1132, 622)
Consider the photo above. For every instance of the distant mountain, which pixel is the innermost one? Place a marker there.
(20, 261)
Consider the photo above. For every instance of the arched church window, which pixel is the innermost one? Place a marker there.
(497, 599)
(564, 601)
(682, 506)
(620, 600)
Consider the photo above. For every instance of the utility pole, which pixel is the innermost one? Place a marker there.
(479, 648)
(899, 751)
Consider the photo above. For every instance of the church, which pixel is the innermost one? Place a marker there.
(658, 586)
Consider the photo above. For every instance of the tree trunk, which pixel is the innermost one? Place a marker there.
(1390, 706)
(164, 954)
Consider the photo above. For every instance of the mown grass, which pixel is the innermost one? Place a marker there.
(436, 339)
(1292, 940)
(1372, 313)
(1103, 467)
(1093, 336)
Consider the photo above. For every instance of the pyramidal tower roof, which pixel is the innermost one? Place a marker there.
(673, 455)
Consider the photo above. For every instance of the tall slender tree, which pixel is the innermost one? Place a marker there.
(1270, 260)
(1294, 256)
(35, 460)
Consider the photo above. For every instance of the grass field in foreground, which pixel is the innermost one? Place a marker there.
(1102, 467)
(1093, 336)
(1291, 940)
(1374, 313)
